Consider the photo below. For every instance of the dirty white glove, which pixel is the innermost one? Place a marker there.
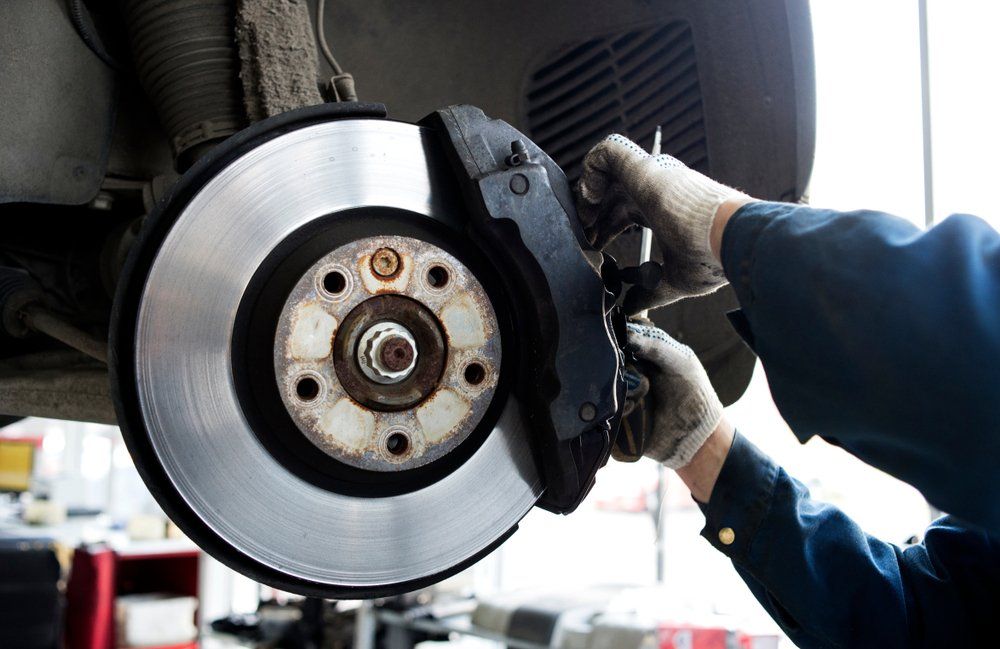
(684, 407)
(623, 185)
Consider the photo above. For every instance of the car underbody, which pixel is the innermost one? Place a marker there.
(210, 241)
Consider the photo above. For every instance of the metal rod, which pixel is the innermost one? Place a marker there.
(925, 114)
(657, 141)
(646, 240)
(365, 625)
(661, 492)
(44, 321)
(645, 252)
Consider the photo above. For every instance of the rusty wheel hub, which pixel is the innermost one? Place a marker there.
(387, 353)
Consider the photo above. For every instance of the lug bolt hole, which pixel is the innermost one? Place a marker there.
(437, 276)
(397, 443)
(334, 282)
(307, 388)
(474, 373)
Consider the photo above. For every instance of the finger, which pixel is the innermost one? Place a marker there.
(640, 320)
(668, 161)
(645, 342)
(587, 213)
(591, 214)
(607, 162)
(620, 218)
(654, 346)
(605, 221)
(639, 298)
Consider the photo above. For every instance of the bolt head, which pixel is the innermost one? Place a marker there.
(385, 262)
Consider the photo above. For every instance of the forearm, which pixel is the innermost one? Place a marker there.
(721, 220)
(826, 582)
(701, 473)
(880, 337)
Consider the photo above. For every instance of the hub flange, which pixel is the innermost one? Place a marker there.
(402, 344)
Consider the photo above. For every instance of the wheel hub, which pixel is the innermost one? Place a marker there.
(385, 333)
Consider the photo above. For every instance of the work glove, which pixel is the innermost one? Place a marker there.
(622, 185)
(684, 409)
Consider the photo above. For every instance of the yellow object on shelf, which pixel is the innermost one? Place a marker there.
(17, 459)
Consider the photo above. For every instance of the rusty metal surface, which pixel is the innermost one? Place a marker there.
(349, 351)
(385, 263)
(388, 426)
(397, 354)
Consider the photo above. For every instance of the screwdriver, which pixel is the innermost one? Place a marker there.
(646, 240)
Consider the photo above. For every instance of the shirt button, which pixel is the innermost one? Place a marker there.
(727, 536)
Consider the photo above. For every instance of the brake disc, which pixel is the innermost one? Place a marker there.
(316, 368)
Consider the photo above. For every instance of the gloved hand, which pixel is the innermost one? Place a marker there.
(623, 185)
(685, 409)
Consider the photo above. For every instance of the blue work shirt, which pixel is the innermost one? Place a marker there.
(885, 340)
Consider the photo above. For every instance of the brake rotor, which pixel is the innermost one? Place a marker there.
(311, 361)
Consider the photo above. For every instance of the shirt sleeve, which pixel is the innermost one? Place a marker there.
(828, 584)
(882, 338)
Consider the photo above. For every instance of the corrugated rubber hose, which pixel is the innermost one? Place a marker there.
(186, 58)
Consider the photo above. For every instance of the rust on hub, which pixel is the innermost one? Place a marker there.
(385, 262)
(430, 352)
(396, 354)
(378, 403)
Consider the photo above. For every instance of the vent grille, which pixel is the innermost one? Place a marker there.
(626, 83)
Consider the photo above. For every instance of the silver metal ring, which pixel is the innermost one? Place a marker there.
(191, 409)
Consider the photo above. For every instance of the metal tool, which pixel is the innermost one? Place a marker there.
(646, 239)
(645, 252)
(350, 354)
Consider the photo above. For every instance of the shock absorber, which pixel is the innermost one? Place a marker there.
(187, 61)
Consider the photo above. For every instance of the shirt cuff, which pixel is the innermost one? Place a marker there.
(740, 499)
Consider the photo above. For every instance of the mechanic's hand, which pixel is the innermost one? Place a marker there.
(684, 407)
(623, 185)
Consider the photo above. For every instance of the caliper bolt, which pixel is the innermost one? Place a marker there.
(396, 354)
(385, 262)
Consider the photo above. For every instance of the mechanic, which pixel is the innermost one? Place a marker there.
(883, 339)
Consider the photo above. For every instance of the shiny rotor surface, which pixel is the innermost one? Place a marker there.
(191, 409)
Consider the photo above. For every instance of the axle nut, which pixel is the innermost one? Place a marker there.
(387, 353)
